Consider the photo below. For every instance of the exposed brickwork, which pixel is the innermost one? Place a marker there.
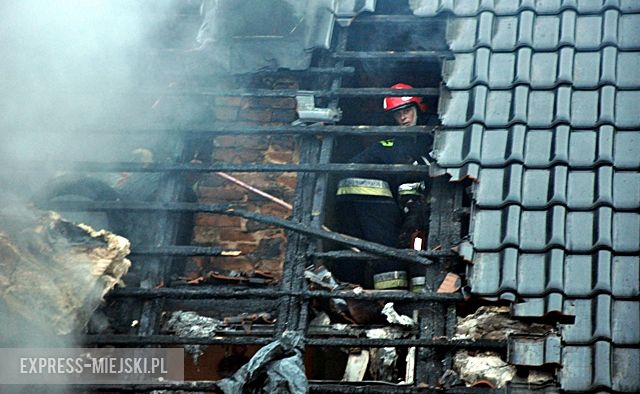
(262, 246)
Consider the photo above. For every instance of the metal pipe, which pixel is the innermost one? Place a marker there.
(259, 192)
(255, 190)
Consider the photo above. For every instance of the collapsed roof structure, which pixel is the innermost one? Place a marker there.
(534, 199)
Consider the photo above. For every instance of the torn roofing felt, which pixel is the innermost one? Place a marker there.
(245, 37)
(542, 111)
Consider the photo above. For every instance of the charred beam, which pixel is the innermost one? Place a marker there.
(186, 250)
(316, 342)
(232, 129)
(375, 92)
(315, 386)
(381, 131)
(308, 71)
(394, 55)
(207, 292)
(196, 292)
(381, 388)
(134, 340)
(311, 71)
(391, 295)
(400, 254)
(345, 168)
(393, 19)
(351, 255)
(339, 92)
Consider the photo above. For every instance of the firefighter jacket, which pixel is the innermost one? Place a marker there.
(398, 150)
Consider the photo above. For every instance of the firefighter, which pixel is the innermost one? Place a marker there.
(367, 204)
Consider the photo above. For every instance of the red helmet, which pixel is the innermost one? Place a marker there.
(393, 103)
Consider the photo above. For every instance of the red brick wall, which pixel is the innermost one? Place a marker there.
(262, 246)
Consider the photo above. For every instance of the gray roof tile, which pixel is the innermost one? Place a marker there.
(511, 7)
(629, 32)
(543, 112)
(539, 230)
(574, 275)
(617, 368)
(539, 148)
(542, 108)
(545, 32)
(534, 350)
(541, 188)
(602, 317)
(543, 70)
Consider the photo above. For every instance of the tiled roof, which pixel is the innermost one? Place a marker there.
(543, 111)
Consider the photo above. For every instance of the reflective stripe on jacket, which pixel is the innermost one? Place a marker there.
(364, 187)
(414, 188)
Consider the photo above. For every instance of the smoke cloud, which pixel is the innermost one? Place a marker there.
(67, 69)
(71, 66)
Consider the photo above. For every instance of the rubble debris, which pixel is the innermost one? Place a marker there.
(191, 324)
(321, 277)
(53, 273)
(394, 317)
(483, 368)
(275, 368)
(247, 319)
(410, 366)
(494, 322)
(365, 311)
(382, 364)
(539, 377)
(256, 277)
(321, 319)
(450, 284)
(449, 379)
(356, 366)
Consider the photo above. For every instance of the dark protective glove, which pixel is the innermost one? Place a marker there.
(416, 214)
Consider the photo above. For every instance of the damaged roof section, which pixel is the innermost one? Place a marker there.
(542, 112)
(245, 37)
(54, 273)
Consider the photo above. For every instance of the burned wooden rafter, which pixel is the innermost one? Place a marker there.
(315, 386)
(329, 130)
(345, 168)
(376, 387)
(339, 92)
(165, 230)
(395, 19)
(208, 292)
(290, 311)
(306, 72)
(183, 250)
(319, 342)
(409, 255)
(222, 128)
(396, 55)
(199, 77)
(352, 255)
